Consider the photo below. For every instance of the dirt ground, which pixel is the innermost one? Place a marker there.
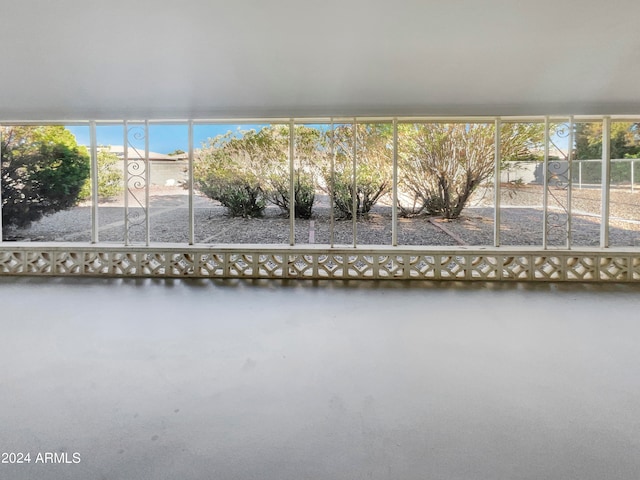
(520, 212)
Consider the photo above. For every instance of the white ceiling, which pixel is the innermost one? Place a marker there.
(80, 59)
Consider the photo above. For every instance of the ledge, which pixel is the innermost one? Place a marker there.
(371, 262)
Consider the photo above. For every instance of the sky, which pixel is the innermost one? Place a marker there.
(172, 137)
(162, 138)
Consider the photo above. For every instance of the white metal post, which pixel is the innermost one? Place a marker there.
(545, 194)
(394, 187)
(633, 177)
(147, 183)
(497, 146)
(94, 182)
(569, 183)
(354, 206)
(333, 185)
(292, 185)
(126, 181)
(606, 181)
(191, 187)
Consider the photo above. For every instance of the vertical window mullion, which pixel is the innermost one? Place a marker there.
(147, 184)
(125, 161)
(332, 159)
(545, 191)
(94, 182)
(191, 187)
(354, 185)
(569, 183)
(496, 182)
(606, 183)
(394, 187)
(292, 185)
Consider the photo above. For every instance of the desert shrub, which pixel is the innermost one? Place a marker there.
(304, 193)
(245, 172)
(238, 194)
(277, 185)
(372, 173)
(43, 171)
(224, 172)
(241, 198)
(441, 165)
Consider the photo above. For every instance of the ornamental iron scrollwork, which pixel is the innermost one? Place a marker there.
(558, 188)
(136, 168)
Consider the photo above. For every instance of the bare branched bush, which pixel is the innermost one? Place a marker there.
(442, 165)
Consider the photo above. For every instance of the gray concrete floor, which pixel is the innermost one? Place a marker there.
(269, 380)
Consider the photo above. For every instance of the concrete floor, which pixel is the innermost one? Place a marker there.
(269, 380)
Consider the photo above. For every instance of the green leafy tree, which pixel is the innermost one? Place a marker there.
(441, 165)
(110, 177)
(625, 140)
(625, 143)
(43, 171)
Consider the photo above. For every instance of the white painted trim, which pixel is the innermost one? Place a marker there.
(394, 187)
(354, 195)
(191, 188)
(317, 262)
(497, 182)
(545, 190)
(95, 181)
(292, 183)
(605, 182)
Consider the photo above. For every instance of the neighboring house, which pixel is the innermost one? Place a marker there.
(166, 170)
(139, 154)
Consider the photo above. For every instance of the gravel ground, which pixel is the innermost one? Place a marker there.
(521, 222)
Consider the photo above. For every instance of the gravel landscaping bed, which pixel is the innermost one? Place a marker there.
(521, 222)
